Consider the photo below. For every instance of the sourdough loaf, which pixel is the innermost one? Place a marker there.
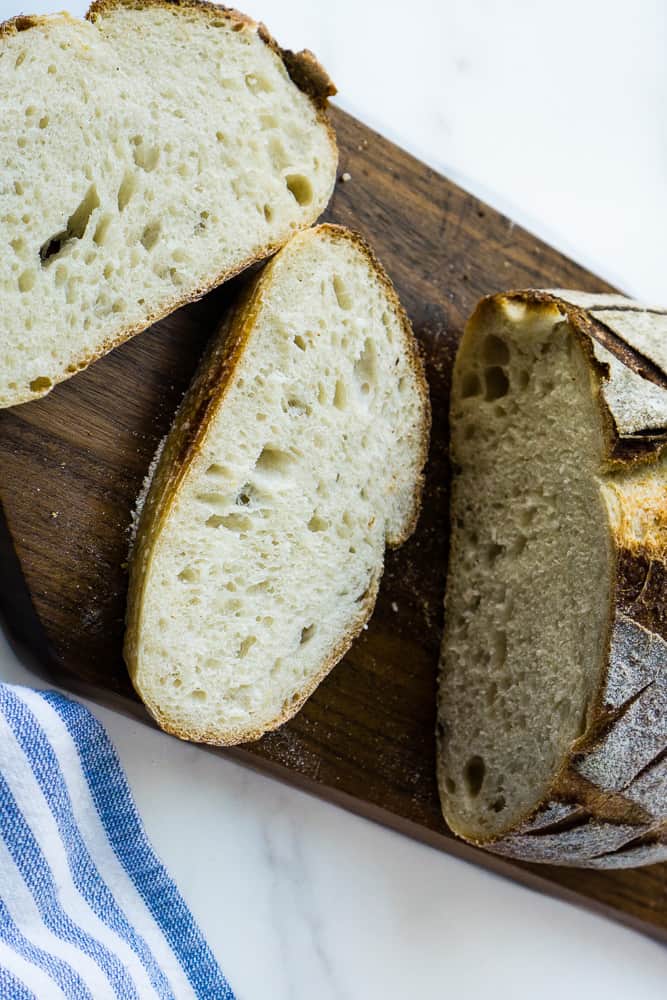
(295, 458)
(552, 732)
(149, 152)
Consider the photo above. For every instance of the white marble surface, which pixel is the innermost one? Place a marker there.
(555, 113)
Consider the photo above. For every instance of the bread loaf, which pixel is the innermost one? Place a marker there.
(552, 733)
(149, 153)
(295, 458)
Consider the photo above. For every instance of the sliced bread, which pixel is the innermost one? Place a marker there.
(295, 458)
(552, 734)
(149, 153)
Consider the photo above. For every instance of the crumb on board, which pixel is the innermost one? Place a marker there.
(143, 493)
(394, 607)
(54, 513)
(346, 177)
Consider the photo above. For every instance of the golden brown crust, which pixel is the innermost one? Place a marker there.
(23, 22)
(614, 782)
(214, 379)
(311, 82)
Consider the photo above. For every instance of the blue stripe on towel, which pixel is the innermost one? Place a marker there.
(33, 866)
(124, 829)
(46, 768)
(67, 978)
(12, 989)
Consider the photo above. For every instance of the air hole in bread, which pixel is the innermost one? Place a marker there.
(499, 648)
(198, 695)
(43, 121)
(189, 574)
(102, 228)
(365, 367)
(340, 395)
(258, 84)
(274, 463)
(297, 407)
(26, 280)
(496, 383)
(491, 552)
(268, 213)
(218, 471)
(40, 384)
(127, 189)
(212, 499)
(19, 59)
(300, 187)
(277, 667)
(232, 522)
(388, 326)
(495, 350)
(318, 523)
(246, 646)
(146, 157)
(343, 297)
(450, 785)
(473, 775)
(151, 235)
(306, 634)
(76, 226)
(300, 342)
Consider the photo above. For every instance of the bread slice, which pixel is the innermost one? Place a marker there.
(296, 456)
(553, 691)
(149, 153)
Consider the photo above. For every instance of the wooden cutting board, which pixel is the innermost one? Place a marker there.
(72, 464)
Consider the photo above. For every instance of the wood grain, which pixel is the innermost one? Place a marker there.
(72, 464)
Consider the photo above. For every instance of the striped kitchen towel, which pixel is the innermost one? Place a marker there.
(87, 910)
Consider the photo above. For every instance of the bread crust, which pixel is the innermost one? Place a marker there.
(213, 380)
(607, 807)
(304, 71)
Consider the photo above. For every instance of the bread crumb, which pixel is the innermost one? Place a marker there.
(143, 493)
(54, 513)
(346, 177)
(394, 607)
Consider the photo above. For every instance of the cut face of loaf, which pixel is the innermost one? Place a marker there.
(552, 731)
(149, 153)
(296, 456)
